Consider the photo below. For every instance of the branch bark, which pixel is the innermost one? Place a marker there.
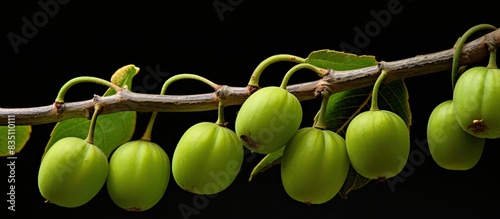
(335, 81)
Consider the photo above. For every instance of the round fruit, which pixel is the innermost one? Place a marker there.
(314, 165)
(378, 144)
(207, 159)
(139, 172)
(72, 172)
(475, 100)
(268, 119)
(450, 146)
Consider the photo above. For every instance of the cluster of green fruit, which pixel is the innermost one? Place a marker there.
(316, 161)
(73, 171)
(209, 155)
(457, 129)
(206, 160)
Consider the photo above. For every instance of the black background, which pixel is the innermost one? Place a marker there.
(96, 38)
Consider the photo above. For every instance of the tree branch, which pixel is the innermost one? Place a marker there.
(335, 81)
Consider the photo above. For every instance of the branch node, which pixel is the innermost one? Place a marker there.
(251, 89)
(327, 72)
(96, 99)
(325, 84)
(490, 43)
(381, 67)
(222, 93)
(328, 77)
(59, 108)
(89, 111)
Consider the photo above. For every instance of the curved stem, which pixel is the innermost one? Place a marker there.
(254, 78)
(93, 121)
(187, 76)
(320, 119)
(297, 67)
(458, 49)
(492, 63)
(149, 129)
(83, 79)
(379, 81)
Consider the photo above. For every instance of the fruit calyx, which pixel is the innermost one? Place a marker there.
(477, 126)
(249, 141)
(381, 180)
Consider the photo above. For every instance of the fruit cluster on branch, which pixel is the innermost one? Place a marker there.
(316, 161)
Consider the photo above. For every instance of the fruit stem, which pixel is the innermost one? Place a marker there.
(492, 63)
(149, 129)
(379, 81)
(297, 67)
(254, 78)
(458, 49)
(93, 121)
(83, 79)
(220, 117)
(320, 119)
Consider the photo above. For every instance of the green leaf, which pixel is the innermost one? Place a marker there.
(340, 61)
(111, 130)
(123, 77)
(13, 138)
(267, 162)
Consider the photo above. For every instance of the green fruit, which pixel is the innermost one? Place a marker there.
(207, 158)
(475, 100)
(314, 165)
(451, 147)
(139, 172)
(268, 119)
(378, 144)
(72, 172)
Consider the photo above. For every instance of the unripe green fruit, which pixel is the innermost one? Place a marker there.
(139, 172)
(476, 101)
(268, 119)
(207, 159)
(314, 165)
(378, 144)
(72, 172)
(450, 146)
